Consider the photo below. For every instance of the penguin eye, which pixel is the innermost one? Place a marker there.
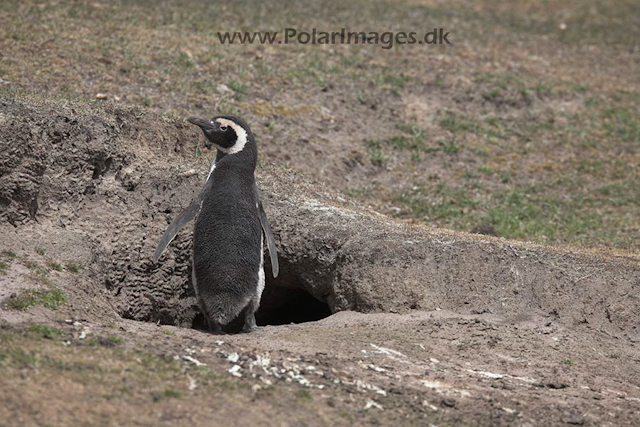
(223, 127)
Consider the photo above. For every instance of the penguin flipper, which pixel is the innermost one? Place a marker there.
(271, 244)
(187, 215)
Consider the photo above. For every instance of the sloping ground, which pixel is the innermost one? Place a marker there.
(529, 122)
(460, 330)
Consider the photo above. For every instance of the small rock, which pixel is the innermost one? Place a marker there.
(192, 383)
(449, 403)
(194, 361)
(573, 417)
(222, 88)
(101, 96)
(235, 371)
(373, 404)
(556, 385)
(428, 405)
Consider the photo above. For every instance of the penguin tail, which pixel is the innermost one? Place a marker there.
(223, 310)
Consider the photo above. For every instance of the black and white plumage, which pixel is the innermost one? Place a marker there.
(230, 228)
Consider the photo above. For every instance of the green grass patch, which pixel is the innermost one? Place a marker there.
(304, 394)
(112, 341)
(166, 394)
(9, 254)
(36, 268)
(441, 202)
(411, 139)
(461, 123)
(45, 331)
(560, 211)
(73, 267)
(487, 170)
(622, 122)
(377, 153)
(238, 86)
(54, 266)
(183, 60)
(17, 357)
(109, 341)
(395, 84)
(49, 298)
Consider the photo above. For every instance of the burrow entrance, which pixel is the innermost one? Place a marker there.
(282, 303)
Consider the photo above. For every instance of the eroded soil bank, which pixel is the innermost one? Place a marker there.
(430, 325)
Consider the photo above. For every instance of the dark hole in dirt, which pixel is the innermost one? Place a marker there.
(279, 306)
(101, 166)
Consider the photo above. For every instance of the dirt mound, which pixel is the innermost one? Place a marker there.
(117, 178)
(482, 319)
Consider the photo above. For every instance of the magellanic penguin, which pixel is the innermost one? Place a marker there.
(228, 241)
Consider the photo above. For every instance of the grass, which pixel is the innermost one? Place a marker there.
(54, 266)
(18, 357)
(9, 254)
(73, 267)
(377, 153)
(112, 340)
(411, 139)
(36, 268)
(539, 180)
(105, 368)
(166, 394)
(304, 394)
(237, 86)
(97, 379)
(49, 298)
(108, 341)
(45, 331)
(622, 122)
(460, 123)
(491, 132)
(541, 213)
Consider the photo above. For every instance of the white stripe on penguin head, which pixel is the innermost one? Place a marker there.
(241, 134)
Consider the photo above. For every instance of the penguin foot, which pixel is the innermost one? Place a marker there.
(215, 328)
(249, 321)
(246, 329)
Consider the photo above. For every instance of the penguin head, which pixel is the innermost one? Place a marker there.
(227, 133)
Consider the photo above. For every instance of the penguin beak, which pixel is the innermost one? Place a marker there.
(205, 125)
